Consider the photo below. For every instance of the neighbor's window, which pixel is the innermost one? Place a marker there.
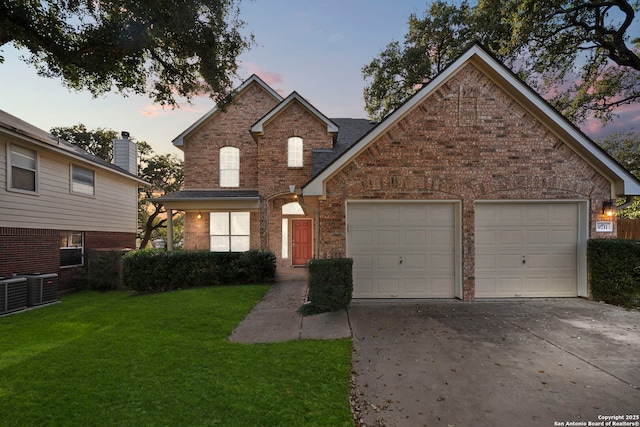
(71, 248)
(229, 231)
(23, 164)
(82, 180)
(295, 152)
(229, 167)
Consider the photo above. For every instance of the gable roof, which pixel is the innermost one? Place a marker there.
(178, 141)
(12, 125)
(350, 131)
(258, 127)
(622, 181)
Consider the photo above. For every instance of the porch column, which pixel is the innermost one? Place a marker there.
(169, 230)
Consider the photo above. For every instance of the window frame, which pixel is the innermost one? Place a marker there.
(229, 176)
(69, 234)
(73, 181)
(226, 231)
(295, 152)
(20, 150)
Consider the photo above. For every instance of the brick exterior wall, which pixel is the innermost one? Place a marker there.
(468, 141)
(227, 129)
(25, 250)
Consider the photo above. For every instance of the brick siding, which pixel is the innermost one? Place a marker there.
(468, 141)
(26, 250)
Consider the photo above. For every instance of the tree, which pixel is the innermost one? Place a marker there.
(164, 48)
(625, 148)
(163, 172)
(578, 54)
(98, 142)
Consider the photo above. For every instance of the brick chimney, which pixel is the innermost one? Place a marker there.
(125, 153)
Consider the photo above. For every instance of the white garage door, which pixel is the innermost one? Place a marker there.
(526, 250)
(401, 250)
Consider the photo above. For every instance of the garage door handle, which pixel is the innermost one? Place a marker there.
(524, 259)
(400, 260)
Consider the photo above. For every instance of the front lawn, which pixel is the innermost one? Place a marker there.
(115, 359)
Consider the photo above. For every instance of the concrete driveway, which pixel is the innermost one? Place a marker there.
(534, 362)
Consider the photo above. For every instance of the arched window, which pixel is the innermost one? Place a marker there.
(292, 208)
(295, 152)
(229, 167)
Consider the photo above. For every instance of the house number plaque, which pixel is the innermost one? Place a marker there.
(604, 226)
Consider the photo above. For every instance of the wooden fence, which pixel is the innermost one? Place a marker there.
(629, 229)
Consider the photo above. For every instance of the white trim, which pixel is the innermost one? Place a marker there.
(178, 141)
(622, 182)
(258, 127)
(36, 170)
(457, 227)
(583, 233)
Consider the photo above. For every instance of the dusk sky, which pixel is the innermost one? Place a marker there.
(315, 48)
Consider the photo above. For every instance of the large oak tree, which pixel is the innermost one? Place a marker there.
(164, 48)
(580, 55)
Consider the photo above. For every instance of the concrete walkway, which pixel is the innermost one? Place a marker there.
(275, 318)
(526, 362)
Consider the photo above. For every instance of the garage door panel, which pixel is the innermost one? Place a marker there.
(544, 235)
(387, 237)
(537, 237)
(388, 287)
(509, 237)
(412, 248)
(415, 238)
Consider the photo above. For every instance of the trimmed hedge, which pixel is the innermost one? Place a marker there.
(614, 268)
(159, 270)
(104, 269)
(330, 285)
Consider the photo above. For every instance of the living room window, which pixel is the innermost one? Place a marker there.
(295, 150)
(229, 231)
(23, 164)
(82, 180)
(229, 167)
(71, 248)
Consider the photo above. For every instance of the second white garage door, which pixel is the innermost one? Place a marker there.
(526, 249)
(402, 250)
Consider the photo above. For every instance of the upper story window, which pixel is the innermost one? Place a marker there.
(229, 167)
(295, 152)
(23, 164)
(82, 180)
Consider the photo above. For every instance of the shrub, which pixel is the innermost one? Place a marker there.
(104, 269)
(614, 269)
(330, 285)
(157, 269)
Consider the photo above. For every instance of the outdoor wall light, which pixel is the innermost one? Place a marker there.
(199, 216)
(608, 207)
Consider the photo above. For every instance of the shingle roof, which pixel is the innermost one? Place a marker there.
(210, 195)
(18, 126)
(350, 131)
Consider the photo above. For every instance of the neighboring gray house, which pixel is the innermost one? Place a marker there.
(57, 201)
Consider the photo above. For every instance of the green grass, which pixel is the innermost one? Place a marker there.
(115, 359)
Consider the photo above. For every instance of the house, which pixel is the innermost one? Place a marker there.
(57, 201)
(473, 188)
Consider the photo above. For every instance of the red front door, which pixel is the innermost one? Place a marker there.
(301, 242)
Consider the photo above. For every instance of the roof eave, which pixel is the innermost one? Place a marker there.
(16, 134)
(623, 182)
(179, 140)
(258, 127)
